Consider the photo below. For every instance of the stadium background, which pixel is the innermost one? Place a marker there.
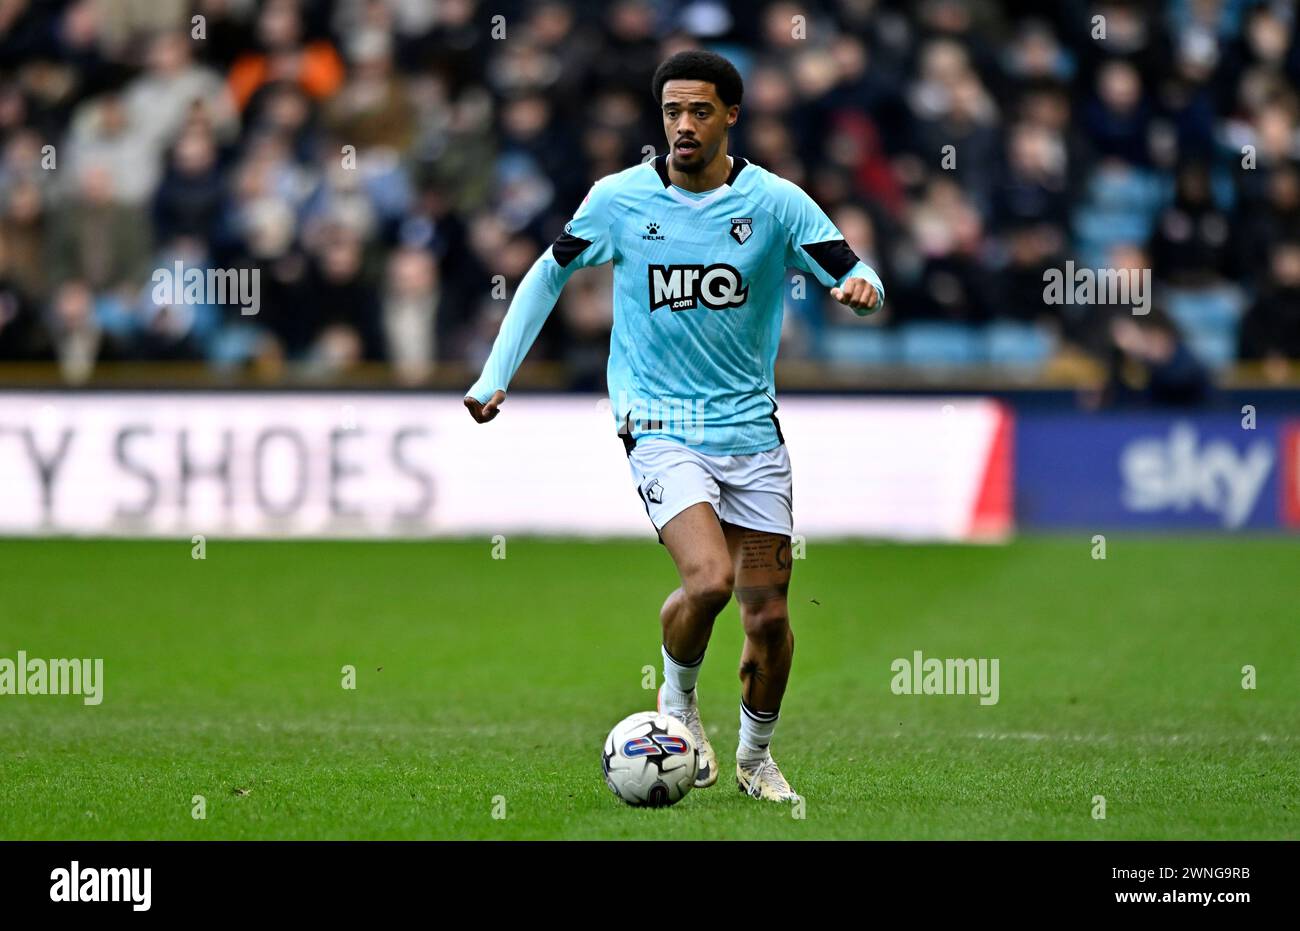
(472, 151)
(393, 167)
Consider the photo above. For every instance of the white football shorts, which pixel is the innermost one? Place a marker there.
(752, 491)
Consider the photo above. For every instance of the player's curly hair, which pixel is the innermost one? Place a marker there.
(700, 66)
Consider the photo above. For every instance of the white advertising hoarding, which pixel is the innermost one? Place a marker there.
(407, 465)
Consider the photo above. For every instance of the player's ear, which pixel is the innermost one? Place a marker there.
(733, 114)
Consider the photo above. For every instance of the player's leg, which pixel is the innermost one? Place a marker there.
(762, 564)
(696, 543)
(762, 567)
(755, 505)
(694, 540)
(680, 496)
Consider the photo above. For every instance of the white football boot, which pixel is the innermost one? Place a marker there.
(762, 779)
(707, 774)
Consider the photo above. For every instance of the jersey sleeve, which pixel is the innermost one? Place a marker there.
(585, 241)
(817, 247)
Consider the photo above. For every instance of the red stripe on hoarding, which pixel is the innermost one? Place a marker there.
(1289, 477)
(992, 514)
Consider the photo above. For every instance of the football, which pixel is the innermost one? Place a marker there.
(649, 760)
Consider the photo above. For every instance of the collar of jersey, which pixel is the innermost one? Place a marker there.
(661, 167)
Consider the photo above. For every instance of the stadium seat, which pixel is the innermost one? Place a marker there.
(1215, 307)
(1120, 207)
(859, 344)
(1217, 349)
(1017, 345)
(1208, 320)
(939, 344)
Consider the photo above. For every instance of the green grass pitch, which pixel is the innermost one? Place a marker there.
(482, 679)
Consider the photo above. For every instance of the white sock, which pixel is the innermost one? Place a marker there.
(679, 680)
(756, 729)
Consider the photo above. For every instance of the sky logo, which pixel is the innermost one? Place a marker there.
(1180, 473)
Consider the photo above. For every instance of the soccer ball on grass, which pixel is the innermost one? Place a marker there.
(650, 760)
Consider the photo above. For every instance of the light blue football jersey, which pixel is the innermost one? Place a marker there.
(699, 289)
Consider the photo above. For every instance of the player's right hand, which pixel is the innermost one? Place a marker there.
(485, 412)
(858, 294)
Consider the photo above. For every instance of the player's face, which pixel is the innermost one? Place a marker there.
(695, 122)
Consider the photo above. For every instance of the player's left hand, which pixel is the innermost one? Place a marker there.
(482, 413)
(858, 294)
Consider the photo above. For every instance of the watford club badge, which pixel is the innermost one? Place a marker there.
(741, 228)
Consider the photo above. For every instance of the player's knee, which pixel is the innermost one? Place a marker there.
(767, 620)
(710, 587)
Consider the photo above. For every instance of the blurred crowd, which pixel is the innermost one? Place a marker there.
(393, 167)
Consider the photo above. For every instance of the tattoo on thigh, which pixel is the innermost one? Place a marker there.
(758, 594)
(757, 551)
(783, 554)
(753, 551)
